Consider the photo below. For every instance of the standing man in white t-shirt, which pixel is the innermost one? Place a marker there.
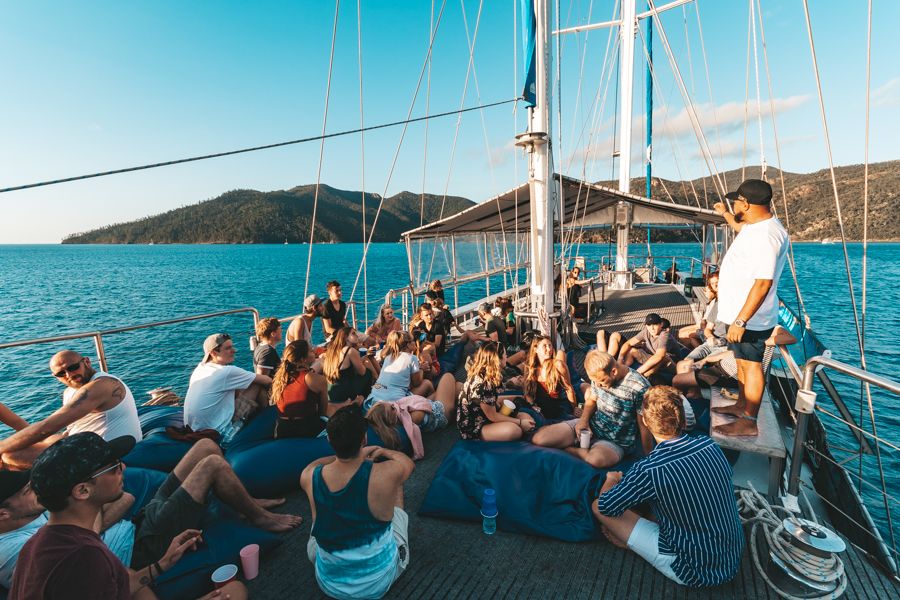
(222, 396)
(748, 296)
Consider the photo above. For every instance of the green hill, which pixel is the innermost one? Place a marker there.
(253, 217)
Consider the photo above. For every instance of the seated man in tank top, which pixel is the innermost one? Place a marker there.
(92, 401)
(359, 542)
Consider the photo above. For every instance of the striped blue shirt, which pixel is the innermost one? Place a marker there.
(688, 482)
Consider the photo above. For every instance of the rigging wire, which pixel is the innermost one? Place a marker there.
(418, 272)
(746, 94)
(762, 144)
(412, 105)
(840, 217)
(866, 212)
(709, 88)
(312, 227)
(405, 122)
(362, 160)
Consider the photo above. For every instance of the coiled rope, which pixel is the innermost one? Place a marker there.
(760, 515)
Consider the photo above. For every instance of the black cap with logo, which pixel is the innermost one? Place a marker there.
(754, 191)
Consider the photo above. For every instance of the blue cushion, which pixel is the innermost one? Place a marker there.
(155, 419)
(142, 484)
(540, 491)
(157, 451)
(272, 468)
(190, 577)
(259, 428)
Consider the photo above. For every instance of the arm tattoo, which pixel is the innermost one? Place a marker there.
(118, 392)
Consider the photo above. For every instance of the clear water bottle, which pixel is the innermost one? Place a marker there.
(489, 512)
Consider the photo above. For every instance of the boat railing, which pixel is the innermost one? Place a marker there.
(651, 264)
(98, 336)
(869, 442)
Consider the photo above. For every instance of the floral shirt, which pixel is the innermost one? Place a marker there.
(469, 416)
(614, 419)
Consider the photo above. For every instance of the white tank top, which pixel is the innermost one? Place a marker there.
(122, 419)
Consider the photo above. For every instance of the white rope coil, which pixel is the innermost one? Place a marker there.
(758, 513)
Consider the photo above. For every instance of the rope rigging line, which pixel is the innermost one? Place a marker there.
(312, 227)
(404, 122)
(712, 102)
(470, 67)
(746, 96)
(412, 105)
(840, 217)
(787, 217)
(865, 247)
(418, 267)
(708, 158)
(362, 160)
(762, 145)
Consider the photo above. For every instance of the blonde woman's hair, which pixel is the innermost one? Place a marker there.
(396, 343)
(384, 420)
(534, 367)
(334, 354)
(598, 362)
(293, 363)
(486, 364)
(379, 322)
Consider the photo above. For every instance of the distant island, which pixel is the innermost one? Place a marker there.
(254, 217)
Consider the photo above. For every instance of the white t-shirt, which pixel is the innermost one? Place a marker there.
(758, 252)
(121, 419)
(393, 382)
(119, 539)
(209, 402)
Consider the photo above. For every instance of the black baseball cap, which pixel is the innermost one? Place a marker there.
(652, 319)
(754, 191)
(11, 482)
(72, 460)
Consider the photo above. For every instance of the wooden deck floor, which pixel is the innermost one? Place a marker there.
(455, 560)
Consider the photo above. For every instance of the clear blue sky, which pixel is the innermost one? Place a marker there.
(93, 86)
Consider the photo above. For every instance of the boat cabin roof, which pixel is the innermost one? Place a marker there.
(594, 204)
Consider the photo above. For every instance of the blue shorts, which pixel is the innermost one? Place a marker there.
(752, 345)
(436, 419)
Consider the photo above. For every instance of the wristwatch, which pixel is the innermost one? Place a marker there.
(740, 323)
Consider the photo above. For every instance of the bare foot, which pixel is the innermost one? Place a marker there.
(739, 427)
(269, 502)
(613, 539)
(735, 410)
(277, 523)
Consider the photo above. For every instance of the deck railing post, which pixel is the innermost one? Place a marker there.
(101, 353)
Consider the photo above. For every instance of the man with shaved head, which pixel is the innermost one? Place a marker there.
(93, 401)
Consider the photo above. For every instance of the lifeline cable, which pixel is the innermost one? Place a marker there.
(255, 148)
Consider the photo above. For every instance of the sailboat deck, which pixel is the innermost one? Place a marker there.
(455, 560)
(624, 310)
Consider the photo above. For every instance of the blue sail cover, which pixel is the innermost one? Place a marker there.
(529, 23)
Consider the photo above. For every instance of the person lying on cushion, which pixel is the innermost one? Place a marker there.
(478, 413)
(92, 401)
(299, 393)
(611, 401)
(697, 547)
(74, 478)
(222, 396)
(21, 515)
(359, 539)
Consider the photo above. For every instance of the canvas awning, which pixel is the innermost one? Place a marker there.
(595, 205)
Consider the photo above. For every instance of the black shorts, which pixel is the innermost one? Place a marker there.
(171, 511)
(752, 345)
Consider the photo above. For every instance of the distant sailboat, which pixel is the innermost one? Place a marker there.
(285, 242)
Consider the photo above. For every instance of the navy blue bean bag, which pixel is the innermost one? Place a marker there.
(258, 429)
(223, 540)
(272, 468)
(142, 484)
(155, 419)
(156, 451)
(540, 491)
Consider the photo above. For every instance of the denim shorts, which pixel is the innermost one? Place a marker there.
(436, 419)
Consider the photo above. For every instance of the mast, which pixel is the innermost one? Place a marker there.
(626, 81)
(649, 87)
(537, 142)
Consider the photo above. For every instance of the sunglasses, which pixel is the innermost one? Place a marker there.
(68, 369)
(114, 467)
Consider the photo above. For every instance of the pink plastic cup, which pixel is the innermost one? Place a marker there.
(224, 575)
(250, 561)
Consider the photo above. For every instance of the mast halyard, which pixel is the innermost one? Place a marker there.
(540, 168)
(627, 31)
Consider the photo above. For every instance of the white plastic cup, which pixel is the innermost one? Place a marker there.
(224, 575)
(250, 561)
(508, 407)
(584, 439)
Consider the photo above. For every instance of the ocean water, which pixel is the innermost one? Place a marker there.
(57, 290)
